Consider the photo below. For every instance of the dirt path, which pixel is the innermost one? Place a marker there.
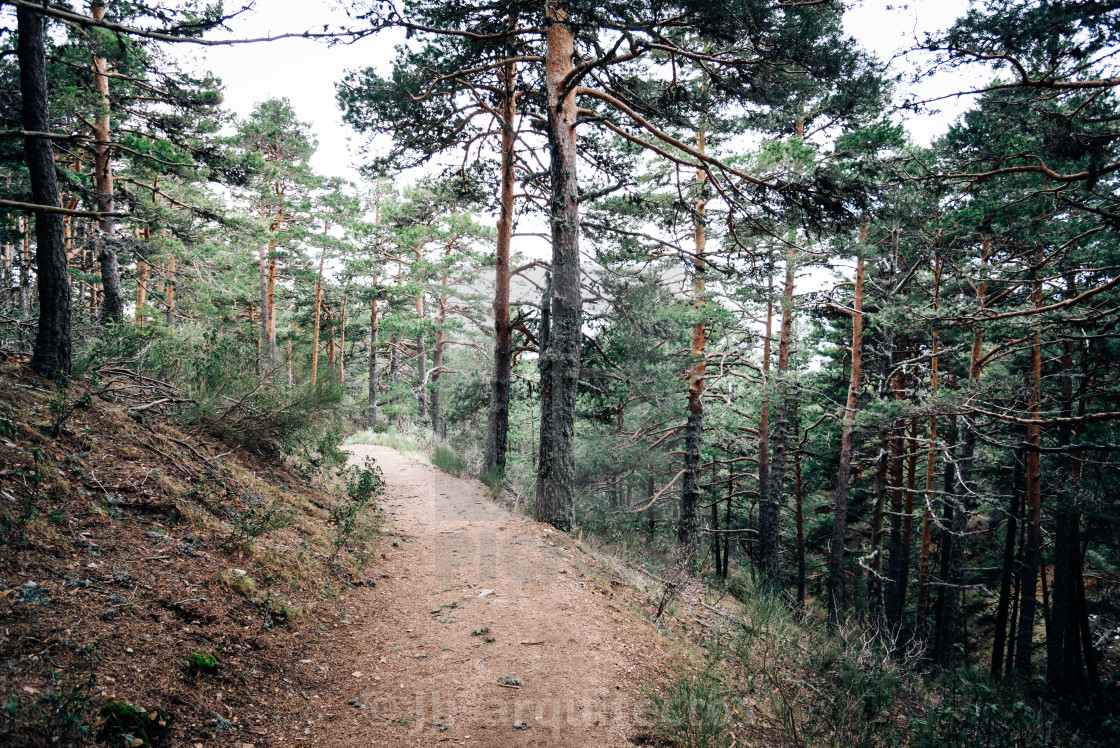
(468, 596)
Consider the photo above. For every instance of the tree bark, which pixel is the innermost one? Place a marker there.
(169, 291)
(922, 612)
(112, 303)
(52, 353)
(895, 600)
(371, 409)
(770, 507)
(843, 475)
(560, 360)
(1032, 551)
(951, 630)
(688, 530)
(999, 638)
(497, 421)
(318, 317)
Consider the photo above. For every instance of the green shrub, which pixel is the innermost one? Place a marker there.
(494, 477)
(354, 525)
(128, 725)
(693, 712)
(449, 462)
(976, 714)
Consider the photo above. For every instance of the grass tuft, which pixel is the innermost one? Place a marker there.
(449, 462)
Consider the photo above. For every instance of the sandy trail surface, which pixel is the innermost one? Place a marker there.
(483, 629)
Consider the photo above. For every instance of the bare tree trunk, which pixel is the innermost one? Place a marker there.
(318, 317)
(764, 414)
(688, 531)
(112, 304)
(52, 353)
(342, 336)
(437, 364)
(951, 629)
(895, 602)
(1032, 551)
(560, 360)
(770, 505)
(169, 291)
(421, 361)
(843, 476)
(25, 267)
(1000, 635)
(922, 614)
(143, 272)
(371, 408)
(269, 312)
(497, 422)
(262, 254)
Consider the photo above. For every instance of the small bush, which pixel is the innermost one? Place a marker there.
(130, 726)
(494, 477)
(354, 525)
(449, 462)
(694, 712)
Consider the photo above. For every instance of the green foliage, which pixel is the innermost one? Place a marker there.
(494, 477)
(449, 462)
(693, 711)
(63, 714)
(257, 519)
(354, 517)
(131, 726)
(975, 713)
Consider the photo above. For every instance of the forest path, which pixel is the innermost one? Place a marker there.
(413, 668)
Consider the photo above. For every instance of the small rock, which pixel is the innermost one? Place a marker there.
(521, 725)
(484, 593)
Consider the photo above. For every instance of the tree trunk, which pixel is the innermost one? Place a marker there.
(112, 304)
(799, 520)
(764, 519)
(169, 291)
(951, 629)
(318, 317)
(688, 531)
(1000, 635)
(1032, 551)
(895, 600)
(52, 354)
(1070, 668)
(25, 266)
(270, 309)
(843, 475)
(876, 602)
(770, 504)
(342, 335)
(497, 421)
(922, 613)
(143, 272)
(262, 255)
(371, 408)
(437, 363)
(560, 360)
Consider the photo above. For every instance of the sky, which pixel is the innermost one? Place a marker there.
(306, 71)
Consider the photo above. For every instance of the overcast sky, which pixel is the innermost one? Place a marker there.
(306, 71)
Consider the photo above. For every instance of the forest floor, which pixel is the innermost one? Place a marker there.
(484, 629)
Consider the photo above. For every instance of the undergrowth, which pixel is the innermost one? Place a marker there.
(447, 461)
